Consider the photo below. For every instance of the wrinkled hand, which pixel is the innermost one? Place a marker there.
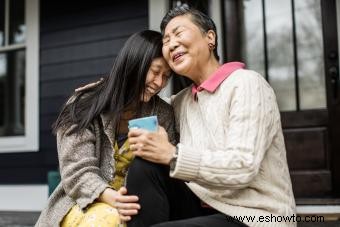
(151, 146)
(126, 205)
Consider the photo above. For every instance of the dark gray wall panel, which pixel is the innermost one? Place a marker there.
(78, 43)
(62, 88)
(51, 106)
(60, 15)
(92, 67)
(92, 33)
(81, 52)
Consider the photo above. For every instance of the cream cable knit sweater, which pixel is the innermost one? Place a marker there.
(232, 150)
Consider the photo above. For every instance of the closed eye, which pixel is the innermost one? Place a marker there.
(165, 41)
(155, 72)
(178, 33)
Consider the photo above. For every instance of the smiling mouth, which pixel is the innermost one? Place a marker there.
(151, 90)
(177, 56)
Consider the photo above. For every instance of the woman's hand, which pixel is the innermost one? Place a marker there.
(126, 205)
(151, 146)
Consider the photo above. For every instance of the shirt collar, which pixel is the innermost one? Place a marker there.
(214, 81)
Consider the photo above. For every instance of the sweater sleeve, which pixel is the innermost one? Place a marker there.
(171, 129)
(167, 120)
(249, 133)
(79, 166)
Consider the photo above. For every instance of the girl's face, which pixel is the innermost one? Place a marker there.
(156, 78)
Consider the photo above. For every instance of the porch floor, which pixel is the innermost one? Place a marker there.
(28, 219)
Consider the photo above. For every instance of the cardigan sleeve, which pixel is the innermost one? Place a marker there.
(167, 120)
(170, 127)
(79, 165)
(249, 132)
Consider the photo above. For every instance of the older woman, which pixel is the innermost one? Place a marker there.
(231, 152)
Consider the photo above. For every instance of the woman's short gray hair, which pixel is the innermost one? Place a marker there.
(203, 22)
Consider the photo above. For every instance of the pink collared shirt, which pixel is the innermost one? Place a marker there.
(222, 73)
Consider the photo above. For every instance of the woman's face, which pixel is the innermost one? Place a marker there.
(156, 78)
(185, 47)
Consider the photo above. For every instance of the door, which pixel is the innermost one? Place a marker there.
(293, 44)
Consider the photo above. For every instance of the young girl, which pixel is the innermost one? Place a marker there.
(93, 150)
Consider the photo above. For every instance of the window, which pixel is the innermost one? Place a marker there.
(283, 41)
(19, 116)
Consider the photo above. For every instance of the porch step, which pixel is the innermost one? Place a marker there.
(18, 219)
(329, 213)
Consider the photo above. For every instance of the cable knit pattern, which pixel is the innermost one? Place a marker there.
(232, 149)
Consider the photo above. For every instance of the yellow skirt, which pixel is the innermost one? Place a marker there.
(97, 214)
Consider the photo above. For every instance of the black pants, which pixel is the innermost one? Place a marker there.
(167, 202)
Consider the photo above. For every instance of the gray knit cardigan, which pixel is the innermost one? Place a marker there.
(87, 164)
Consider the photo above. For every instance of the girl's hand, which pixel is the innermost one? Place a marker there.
(126, 205)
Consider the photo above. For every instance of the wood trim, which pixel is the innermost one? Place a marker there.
(328, 9)
(157, 9)
(216, 14)
(318, 201)
(328, 213)
(303, 119)
(29, 141)
(307, 148)
(32, 197)
(311, 184)
(232, 21)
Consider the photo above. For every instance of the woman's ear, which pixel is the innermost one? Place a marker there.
(211, 37)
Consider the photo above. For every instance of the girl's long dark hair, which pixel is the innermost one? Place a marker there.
(122, 87)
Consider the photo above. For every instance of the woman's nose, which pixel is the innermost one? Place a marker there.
(173, 44)
(158, 81)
